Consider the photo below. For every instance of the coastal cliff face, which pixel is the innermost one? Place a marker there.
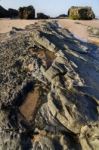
(81, 13)
(49, 90)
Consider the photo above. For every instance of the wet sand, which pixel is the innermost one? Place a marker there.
(79, 28)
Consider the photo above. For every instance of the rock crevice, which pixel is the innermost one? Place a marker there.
(48, 90)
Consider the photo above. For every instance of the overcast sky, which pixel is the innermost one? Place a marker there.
(51, 7)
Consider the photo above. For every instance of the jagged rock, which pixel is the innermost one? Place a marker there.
(10, 140)
(42, 16)
(43, 142)
(3, 12)
(49, 89)
(27, 12)
(90, 142)
(81, 13)
(13, 13)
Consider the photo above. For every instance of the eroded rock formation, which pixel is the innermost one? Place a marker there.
(62, 16)
(3, 12)
(81, 13)
(42, 16)
(49, 85)
(27, 12)
(12, 13)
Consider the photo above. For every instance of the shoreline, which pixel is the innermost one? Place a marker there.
(77, 27)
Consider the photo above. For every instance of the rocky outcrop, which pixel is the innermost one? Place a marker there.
(62, 16)
(13, 13)
(27, 12)
(42, 16)
(81, 13)
(3, 12)
(10, 13)
(49, 85)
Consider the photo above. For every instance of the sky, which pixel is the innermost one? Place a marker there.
(51, 7)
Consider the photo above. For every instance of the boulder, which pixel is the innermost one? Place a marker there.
(81, 13)
(27, 12)
(3, 12)
(61, 16)
(42, 16)
(13, 13)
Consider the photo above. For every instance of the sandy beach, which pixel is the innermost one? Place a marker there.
(7, 24)
(78, 28)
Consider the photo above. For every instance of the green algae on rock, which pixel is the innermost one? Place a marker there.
(81, 13)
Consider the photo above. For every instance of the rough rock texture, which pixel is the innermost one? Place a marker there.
(81, 13)
(49, 90)
(42, 16)
(93, 32)
(13, 13)
(27, 12)
(3, 12)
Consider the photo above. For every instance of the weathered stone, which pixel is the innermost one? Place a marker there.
(42, 142)
(10, 13)
(3, 12)
(91, 142)
(48, 89)
(62, 16)
(42, 16)
(81, 13)
(27, 12)
(13, 13)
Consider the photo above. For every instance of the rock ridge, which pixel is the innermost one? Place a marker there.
(49, 90)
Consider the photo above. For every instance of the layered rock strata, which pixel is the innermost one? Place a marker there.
(49, 90)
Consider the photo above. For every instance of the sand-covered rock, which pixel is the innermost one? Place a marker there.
(48, 90)
(81, 13)
(27, 12)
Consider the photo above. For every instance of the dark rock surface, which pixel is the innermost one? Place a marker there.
(3, 12)
(12, 13)
(42, 16)
(62, 16)
(27, 12)
(81, 13)
(49, 90)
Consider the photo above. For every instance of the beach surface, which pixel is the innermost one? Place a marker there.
(80, 28)
(77, 27)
